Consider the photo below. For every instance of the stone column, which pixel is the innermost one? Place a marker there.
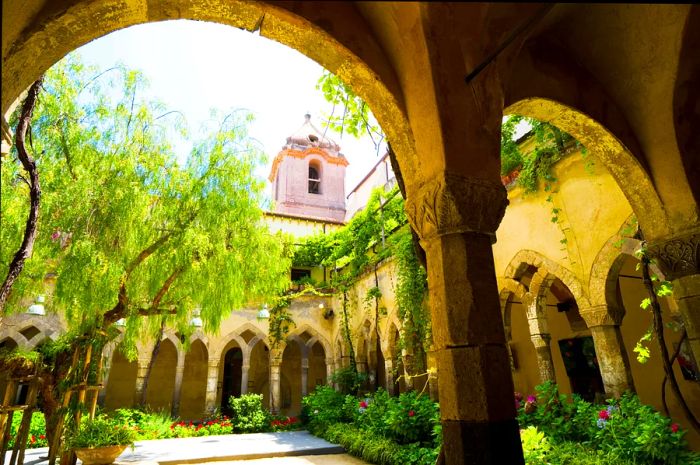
(141, 371)
(433, 377)
(275, 388)
(540, 337)
(604, 323)
(544, 357)
(245, 368)
(212, 392)
(329, 370)
(304, 376)
(456, 218)
(389, 371)
(177, 392)
(108, 354)
(679, 259)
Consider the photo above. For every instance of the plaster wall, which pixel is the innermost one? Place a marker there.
(161, 386)
(194, 383)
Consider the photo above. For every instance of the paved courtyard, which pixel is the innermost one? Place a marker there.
(296, 448)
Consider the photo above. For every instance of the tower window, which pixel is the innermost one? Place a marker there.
(314, 181)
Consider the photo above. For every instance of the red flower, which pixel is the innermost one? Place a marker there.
(32, 439)
(603, 415)
(674, 427)
(44, 437)
(363, 404)
(411, 413)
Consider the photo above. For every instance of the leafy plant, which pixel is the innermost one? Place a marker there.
(535, 445)
(101, 431)
(248, 414)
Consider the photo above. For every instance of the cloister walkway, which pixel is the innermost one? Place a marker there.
(222, 448)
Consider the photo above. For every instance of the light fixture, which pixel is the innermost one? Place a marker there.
(264, 313)
(120, 322)
(327, 314)
(37, 308)
(196, 321)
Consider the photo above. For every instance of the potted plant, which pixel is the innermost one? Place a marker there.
(100, 441)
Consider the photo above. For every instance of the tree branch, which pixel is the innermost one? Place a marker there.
(28, 163)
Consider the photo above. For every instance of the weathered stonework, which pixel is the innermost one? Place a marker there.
(678, 257)
(455, 204)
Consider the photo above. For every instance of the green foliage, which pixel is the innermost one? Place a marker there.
(350, 113)
(125, 225)
(37, 430)
(249, 415)
(412, 418)
(101, 431)
(625, 429)
(322, 408)
(535, 445)
(147, 425)
(349, 380)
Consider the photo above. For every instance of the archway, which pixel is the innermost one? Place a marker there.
(290, 374)
(161, 385)
(317, 367)
(194, 382)
(121, 385)
(232, 368)
(259, 371)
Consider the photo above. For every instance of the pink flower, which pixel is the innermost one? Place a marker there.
(56, 234)
(411, 413)
(518, 396)
(603, 415)
(517, 404)
(531, 399)
(674, 427)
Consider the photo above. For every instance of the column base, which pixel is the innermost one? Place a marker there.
(478, 443)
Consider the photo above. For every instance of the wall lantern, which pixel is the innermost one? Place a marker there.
(264, 313)
(196, 321)
(327, 313)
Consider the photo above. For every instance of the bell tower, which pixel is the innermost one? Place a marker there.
(308, 176)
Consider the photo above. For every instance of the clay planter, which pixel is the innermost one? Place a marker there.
(99, 455)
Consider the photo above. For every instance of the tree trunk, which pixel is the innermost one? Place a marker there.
(29, 165)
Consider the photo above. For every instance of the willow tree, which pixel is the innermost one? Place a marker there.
(128, 231)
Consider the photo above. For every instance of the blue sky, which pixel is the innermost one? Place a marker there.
(196, 66)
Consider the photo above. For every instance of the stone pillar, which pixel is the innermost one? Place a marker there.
(679, 259)
(389, 371)
(304, 376)
(212, 392)
(456, 218)
(329, 370)
(141, 371)
(540, 337)
(604, 323)
(544, 357)
(433, 377)
(177, 392)
(245, 368)
(408, 369)
(275, 388)
(108, 354)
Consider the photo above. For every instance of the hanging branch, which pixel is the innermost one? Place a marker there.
(659, 331)
(29, 165)
(673, 359)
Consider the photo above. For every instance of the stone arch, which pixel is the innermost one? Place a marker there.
(388, 342)
(14, 335)
(159, 395)
(607, 263)
(47, 35)
(175, 340)
(686, 94)
(510, 287)
(216, 351)
(625, 168)
(529, 257)
(8, 342)
(314, 334)
(194, 381)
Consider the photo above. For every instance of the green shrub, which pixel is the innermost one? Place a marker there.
(349, 381)
(535, 445)
(412, 418)
(322, 408)
(37, 430)
(248, 414)
(99, 432)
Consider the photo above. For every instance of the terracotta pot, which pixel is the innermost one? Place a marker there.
(99, 455)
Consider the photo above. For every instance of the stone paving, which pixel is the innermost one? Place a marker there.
(229, 448)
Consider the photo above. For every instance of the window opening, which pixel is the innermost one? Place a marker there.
(314, 181)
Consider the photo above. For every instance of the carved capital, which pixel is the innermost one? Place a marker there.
(541, 340)
(602, 315)
(454, 204)
(678, 257)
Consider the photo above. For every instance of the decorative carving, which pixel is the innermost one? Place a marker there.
(456, 204)
(679, 256)
(602, 315)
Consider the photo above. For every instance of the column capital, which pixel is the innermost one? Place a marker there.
(602, 315)
(679, 256)
(453, 204)
(541, 340)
